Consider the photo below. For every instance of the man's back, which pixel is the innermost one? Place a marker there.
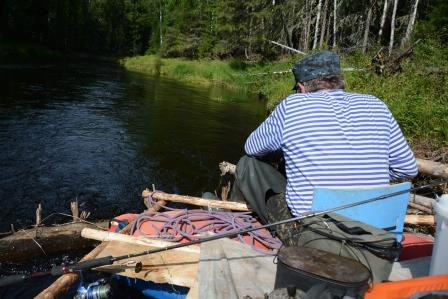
(333, 139)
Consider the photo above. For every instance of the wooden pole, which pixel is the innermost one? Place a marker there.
(99, 235)
(38, 215)
(74, 207)
(197, 201)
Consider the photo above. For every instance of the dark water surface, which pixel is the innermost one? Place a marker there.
(101, 134)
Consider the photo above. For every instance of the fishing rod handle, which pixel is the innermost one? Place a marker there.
(84, 265)
(12, 279)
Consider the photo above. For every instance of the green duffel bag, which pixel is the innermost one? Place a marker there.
(375, 248)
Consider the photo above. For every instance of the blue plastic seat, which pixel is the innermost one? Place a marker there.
(386, 213)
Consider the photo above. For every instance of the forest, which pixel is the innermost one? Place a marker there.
(220, 28)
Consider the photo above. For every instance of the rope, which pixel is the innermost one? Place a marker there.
(186, 224)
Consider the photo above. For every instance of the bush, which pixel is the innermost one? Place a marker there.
(238, 64)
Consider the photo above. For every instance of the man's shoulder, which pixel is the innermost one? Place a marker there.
(362, 96)
(301, 97)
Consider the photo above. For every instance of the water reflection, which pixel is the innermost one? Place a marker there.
(101, 134)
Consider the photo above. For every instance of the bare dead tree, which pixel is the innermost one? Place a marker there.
(383, 19)
(307, 27)
(411, 23)
(285, 29)
(324, 24)
(335, 8)
(329, 25)
(316, 28)
(392, 27)
(367, 27)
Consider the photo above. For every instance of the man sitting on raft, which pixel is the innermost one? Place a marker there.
(328, 138)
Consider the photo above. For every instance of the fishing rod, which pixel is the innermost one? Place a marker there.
(109, 260)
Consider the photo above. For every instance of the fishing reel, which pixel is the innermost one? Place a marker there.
(105, 287)
(100, 289)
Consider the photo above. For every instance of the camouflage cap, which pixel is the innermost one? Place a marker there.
(316, 66)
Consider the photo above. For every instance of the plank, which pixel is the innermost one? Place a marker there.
(174, 267)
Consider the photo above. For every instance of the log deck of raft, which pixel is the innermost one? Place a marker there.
(46, 240)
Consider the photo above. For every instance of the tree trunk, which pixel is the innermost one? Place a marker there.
(383, 20)
(327, 31)
(249, 47)
(285, 29)
(392, 27)
(366, 30)
(335, 6)
(324, 24)
(160, 24)
(410, 27)
(316, 29)
(307, 26)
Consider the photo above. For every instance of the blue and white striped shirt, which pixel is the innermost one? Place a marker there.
(333, 139)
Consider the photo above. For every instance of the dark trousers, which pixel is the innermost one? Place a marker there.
(263, 188)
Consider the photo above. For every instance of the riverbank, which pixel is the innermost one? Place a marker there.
(417, 95)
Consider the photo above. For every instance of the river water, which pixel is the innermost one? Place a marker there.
(101, 134)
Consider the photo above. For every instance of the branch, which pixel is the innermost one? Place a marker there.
(286, 47)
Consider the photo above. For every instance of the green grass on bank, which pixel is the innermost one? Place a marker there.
(418, 96)
(20, 53)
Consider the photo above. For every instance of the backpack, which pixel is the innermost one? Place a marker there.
(375, 248)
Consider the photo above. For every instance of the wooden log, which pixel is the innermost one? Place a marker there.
(64, 282)
(423, 200)
(99, 235)
(197, 201)
(420, 207)
(432, 168)
(34, 242)
(420, 219)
